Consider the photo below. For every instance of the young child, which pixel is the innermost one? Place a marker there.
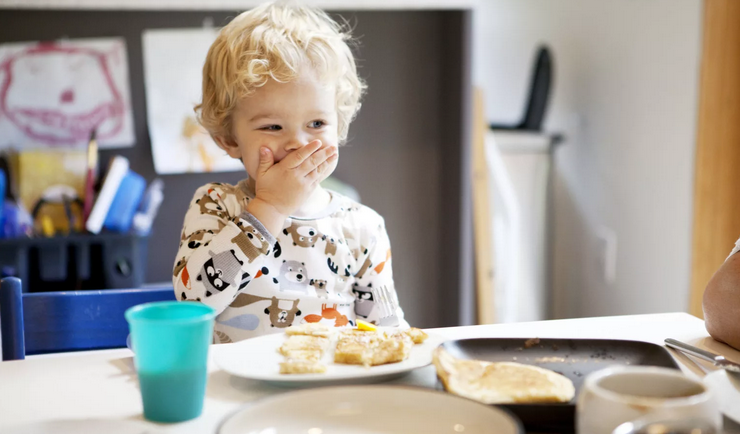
(280, 88)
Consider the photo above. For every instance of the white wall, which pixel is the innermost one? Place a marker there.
(625, 96)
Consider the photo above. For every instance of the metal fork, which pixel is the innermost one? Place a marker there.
(387, 304)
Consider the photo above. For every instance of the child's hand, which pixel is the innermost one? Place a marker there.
(281, 188)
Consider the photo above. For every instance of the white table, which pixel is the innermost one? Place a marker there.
(103, 384)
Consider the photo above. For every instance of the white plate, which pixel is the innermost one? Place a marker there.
(369, 410)
(258, 359)
(726, 388)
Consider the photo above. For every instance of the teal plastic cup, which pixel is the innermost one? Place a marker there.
(170, 340)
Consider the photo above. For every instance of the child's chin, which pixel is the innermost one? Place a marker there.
(333, 167)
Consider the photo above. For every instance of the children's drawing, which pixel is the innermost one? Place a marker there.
(53, 94)
(173, 64)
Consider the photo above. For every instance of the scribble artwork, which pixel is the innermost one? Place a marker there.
(198, 143)
(53, 94)
(173, 64)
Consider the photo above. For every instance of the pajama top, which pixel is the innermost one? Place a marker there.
(325, 268)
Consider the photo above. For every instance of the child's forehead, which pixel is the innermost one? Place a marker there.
(283, 98)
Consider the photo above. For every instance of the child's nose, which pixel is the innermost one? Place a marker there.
(298, 141)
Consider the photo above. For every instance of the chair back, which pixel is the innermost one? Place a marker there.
(47, 322)
(539, 94)
(539, 91)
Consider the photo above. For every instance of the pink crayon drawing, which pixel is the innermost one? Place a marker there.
(57, 93)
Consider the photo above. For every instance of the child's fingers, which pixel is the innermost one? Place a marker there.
(266, 161)
(297, 157)
(318, 158)
(322, 171)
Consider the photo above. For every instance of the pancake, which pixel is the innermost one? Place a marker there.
(372, 348)
(501, 382)
(298, 366)
(416, 335)
(309, 329)
(304, 347)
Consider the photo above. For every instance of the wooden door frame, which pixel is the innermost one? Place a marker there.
(717, 176)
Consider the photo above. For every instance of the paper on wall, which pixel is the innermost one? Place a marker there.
(173, 63)
(53, 94)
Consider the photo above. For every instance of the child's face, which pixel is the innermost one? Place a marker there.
(284, 117)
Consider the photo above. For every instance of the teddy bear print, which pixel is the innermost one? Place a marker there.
(354, 245)
(331, 245)
(365, 266)
(210, 207)
(303, 234)
(179, 266)
(194, 240)
(280, 317)
(293, 277)
(320, 286)
(233, 191)
(251, 243)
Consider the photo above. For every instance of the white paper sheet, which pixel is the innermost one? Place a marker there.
(53, 94)
(173, 63)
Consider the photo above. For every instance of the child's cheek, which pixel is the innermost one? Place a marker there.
(252, 161)
(333, 165)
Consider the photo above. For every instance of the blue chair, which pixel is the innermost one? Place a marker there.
(66, 321)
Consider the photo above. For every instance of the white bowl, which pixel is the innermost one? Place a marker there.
(369, 410)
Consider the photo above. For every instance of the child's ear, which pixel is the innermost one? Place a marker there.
(229, 145)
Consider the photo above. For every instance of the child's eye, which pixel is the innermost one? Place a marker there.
(272, 128)
(316, 124)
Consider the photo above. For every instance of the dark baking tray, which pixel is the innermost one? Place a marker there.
(574, 358)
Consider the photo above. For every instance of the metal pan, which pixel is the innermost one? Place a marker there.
(573, 358)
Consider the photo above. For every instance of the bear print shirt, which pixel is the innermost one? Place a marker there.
(329, 268)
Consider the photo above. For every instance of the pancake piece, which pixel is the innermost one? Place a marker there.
(391, 350)
(309, 329)
(298, 366)
(304, 347)
(416, 335)
(502, 382)
(371, 348)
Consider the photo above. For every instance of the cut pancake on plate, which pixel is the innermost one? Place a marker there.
(416, 335)
(501, 382)
(309, 329)
(304, 343)
(302, 366)
(372, 348)
(307, 344)
(303, 354)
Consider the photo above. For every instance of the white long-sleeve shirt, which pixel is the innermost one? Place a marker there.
(324, 268)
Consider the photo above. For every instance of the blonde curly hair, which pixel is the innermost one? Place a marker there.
(276, 40)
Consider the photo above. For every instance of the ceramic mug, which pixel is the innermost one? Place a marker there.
(615, 395)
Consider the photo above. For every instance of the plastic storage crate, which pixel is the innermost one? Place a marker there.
(77, 261)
